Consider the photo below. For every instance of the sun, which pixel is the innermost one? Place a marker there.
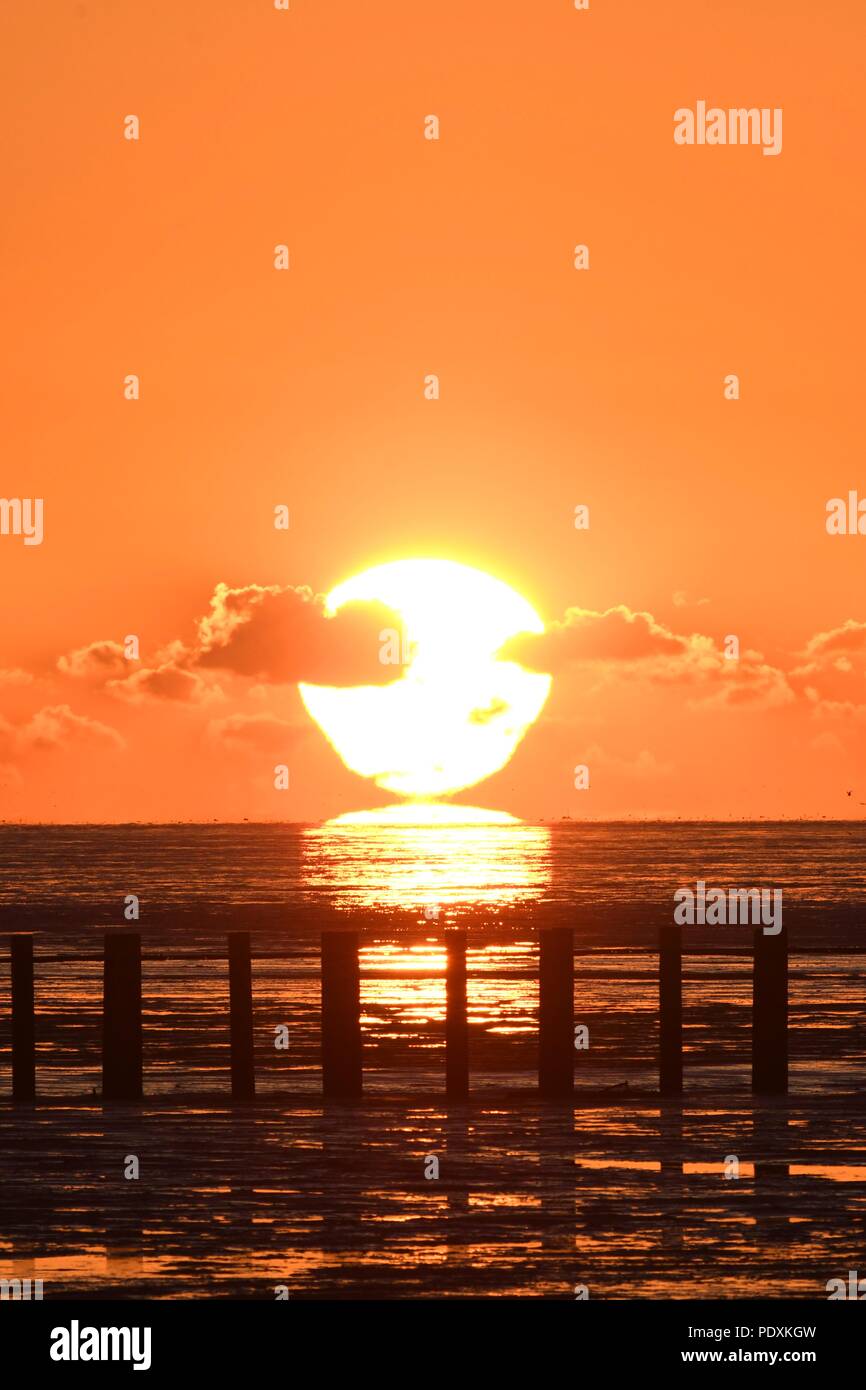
(456, 713)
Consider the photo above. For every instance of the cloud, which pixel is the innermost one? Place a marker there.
(623, 642)
(618, 634)
(263, 732)
(282, 635)
(835, 709)
(749, 681)
(98, 659)
(643, 765)
(15, 676)
(682, 600)
(52, 728)
(272, 634)
(850, 638)
(832, 670)
(827, 742)
(165, 682)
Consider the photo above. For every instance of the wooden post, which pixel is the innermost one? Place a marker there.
(671, 1011)
(770, 1014)
(121, 1017)
(341, 1016)
(241, 1016)
(23, 1020)
(456, 1023)
(556, 1013)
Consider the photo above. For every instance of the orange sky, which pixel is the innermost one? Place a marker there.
(558, 387)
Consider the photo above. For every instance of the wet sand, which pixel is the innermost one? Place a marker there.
(618, 1192)
(627, 1198)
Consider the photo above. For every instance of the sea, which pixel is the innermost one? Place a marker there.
(620, 1196)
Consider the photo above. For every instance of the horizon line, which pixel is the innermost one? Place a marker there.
(540, 820)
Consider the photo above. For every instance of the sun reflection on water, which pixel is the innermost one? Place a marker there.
(427, 866)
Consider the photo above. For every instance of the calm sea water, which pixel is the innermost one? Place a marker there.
(402, 887)
(563, 871)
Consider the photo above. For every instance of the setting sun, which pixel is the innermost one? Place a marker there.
(457, 712)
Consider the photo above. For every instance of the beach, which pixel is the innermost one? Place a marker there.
(619, 1191)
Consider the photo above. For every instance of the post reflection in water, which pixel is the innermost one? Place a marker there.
(404, 884)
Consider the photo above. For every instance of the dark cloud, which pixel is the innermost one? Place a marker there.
(282, 635)
(620, 641)
(95, 661)
(584, 635)
(165, 682)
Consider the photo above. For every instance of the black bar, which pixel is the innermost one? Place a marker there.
(207, 1338)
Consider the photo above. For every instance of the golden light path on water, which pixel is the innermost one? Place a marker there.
(402, 859)
(435, 862)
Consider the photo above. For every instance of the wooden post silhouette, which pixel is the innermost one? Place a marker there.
(341, 1016)
(241, 1016)
(556, 1013)
(671, 1011)
(23, 1020)
(121, 1017)
(456, 1023)
(770, 1014)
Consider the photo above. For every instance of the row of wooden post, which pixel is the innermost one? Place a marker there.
(769, 1012)
(342, 1071)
